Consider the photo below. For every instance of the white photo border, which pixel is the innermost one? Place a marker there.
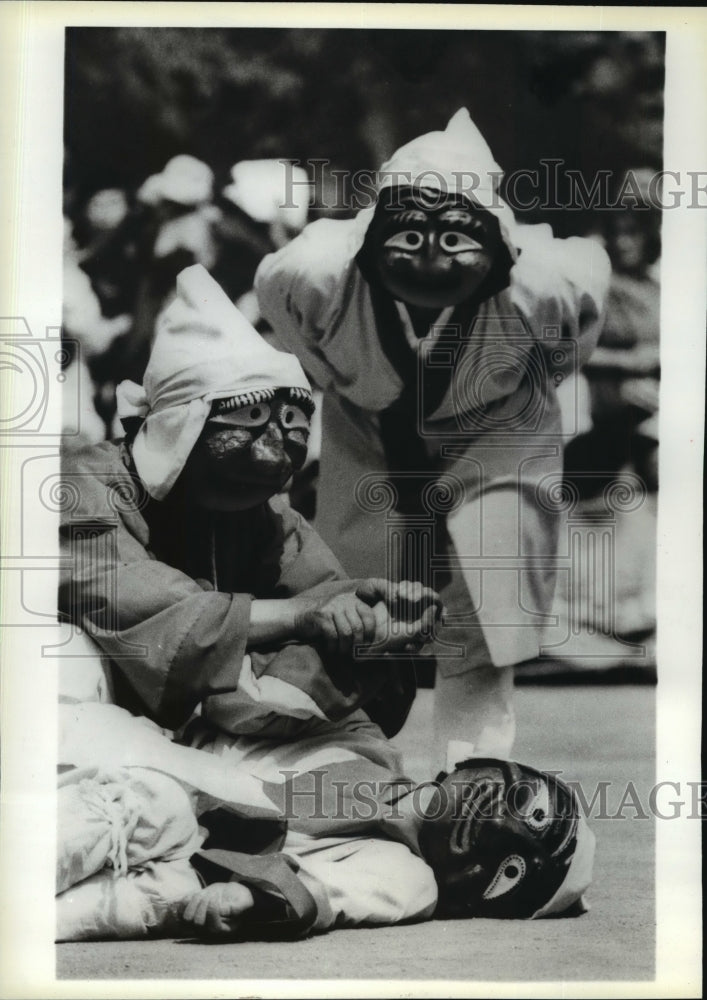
(31, 151)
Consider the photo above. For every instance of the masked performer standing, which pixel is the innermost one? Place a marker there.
(438, 330)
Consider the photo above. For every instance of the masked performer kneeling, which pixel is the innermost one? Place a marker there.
(245, 783)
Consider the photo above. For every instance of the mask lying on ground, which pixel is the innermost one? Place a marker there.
(505, 840)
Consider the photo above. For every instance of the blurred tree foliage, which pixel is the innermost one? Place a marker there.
(136, 97)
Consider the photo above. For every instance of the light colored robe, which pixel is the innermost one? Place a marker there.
(497, 431)
(166, 596)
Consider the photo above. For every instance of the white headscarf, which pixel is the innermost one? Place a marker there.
(204, 349)
(455, 161)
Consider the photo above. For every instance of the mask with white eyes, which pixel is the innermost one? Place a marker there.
(504, 841)
(433, 251)
(249, 448)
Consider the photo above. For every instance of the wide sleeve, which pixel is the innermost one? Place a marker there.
(172, 641)
(301, 289)
(561, 284)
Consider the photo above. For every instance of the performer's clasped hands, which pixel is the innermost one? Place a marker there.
(388, 616)
(370, 615)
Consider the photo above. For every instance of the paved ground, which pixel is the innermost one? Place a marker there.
(592, 733)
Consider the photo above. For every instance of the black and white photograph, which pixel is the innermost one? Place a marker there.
(351, 449)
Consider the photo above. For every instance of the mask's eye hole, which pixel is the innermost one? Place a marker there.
(293, 418)
(509, 874)
(538, 820)
(254, 415)
(408, 239)
(456, 242)
(537, 811)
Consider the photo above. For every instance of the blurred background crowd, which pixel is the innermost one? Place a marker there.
(173, 146)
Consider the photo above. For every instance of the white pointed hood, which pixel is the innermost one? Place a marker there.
(204, 349)
(455, 161)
